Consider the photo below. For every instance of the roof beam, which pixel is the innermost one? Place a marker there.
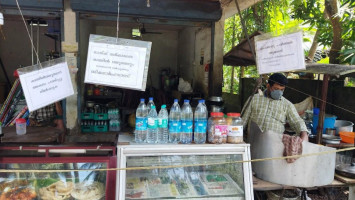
(230, 8)
(167, 9)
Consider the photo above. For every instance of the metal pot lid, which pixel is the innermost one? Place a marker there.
(331, 137)
(349, 168)
(215, 99)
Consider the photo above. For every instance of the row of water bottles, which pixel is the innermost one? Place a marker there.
(174, 127)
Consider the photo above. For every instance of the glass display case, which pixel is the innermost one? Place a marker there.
(184, 172)
(57, 173)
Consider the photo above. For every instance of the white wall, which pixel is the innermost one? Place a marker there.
(15, 46)
(194, 43)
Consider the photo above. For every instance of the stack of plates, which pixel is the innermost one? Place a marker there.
(331, 139)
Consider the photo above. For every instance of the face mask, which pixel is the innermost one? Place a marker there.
(276, 94)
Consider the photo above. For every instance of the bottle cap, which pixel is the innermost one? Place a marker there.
(217, 114)
(176, 100)
(150, 98)
(233, 114)
(152, 107)
(186, 101)
(142, 100)
(163, 106)
(20, 121)
(201, 101)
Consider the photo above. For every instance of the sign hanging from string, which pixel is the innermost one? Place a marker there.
(45, 83)
(279, 54)
(117, 62)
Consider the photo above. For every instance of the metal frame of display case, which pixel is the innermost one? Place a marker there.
(45, 152)
(183, 150)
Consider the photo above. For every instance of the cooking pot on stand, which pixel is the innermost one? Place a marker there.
(215, 104)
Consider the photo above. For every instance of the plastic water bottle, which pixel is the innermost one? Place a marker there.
(150, 103)
(186, 123)
(175, 122)
(200, 119)
(152, 125)
(141, 122)
(163, 117)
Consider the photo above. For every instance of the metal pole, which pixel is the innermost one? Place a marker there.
(322, 108)
(31, 24)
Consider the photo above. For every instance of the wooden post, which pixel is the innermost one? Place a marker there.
(322, 108)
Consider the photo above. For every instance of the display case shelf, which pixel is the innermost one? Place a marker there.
(184, 172)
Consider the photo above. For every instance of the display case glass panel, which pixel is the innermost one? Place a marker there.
(207, 172)
(53, 185)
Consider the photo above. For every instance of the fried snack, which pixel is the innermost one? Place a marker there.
(57, 191)
(88, 191)
(13, 184)
(18, 193)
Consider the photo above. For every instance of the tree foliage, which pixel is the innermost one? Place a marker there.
(278, 15)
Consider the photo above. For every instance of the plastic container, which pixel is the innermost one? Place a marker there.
(200, 120)
(20, 126)
(329, 122)
(347, 137)
(141, 131)
(175, 122)
(235, 128)
(163, 131)
(186, 123)
(217, 128)
(152, 126)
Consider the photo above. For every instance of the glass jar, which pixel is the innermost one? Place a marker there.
(235, 128)
(217, 128)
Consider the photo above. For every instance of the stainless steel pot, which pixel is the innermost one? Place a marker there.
(343, 126)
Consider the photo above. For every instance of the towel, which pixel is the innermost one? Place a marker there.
(293, 146)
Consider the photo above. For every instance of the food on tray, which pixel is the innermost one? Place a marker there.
(12, 184)
(16, 193)
(56, 191)
(88, 191)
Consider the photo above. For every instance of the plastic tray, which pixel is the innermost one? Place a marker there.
(100, 128)
(87, 129)
(101, 116)
(87, 115)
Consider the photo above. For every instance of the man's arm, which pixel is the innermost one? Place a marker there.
(246, 114)
(296, 122)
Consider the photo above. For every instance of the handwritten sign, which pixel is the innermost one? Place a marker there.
(118, 64)
(280, 54)
(46, 86)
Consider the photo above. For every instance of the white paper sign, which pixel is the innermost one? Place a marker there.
(46, 86)
(280, 54)
(117, 65)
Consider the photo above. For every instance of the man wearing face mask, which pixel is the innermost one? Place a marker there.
(271, 110)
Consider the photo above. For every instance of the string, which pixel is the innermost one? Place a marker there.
(28, 32)
(175, 166)
(322, 100)
(118, 16)
(317, 98)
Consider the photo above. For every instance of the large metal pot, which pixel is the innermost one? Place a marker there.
(215, 104)
(343, 126)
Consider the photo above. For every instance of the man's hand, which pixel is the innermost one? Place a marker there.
(304, 136)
